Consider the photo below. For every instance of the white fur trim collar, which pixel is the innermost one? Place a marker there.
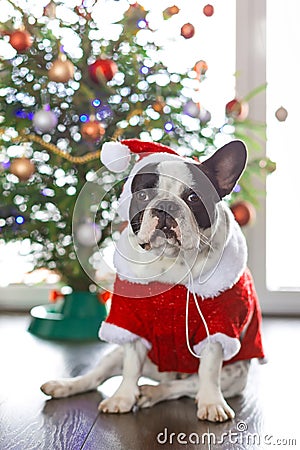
(138, 266)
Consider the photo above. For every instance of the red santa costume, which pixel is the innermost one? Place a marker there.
(155, 311)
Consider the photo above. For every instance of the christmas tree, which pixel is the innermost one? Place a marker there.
(59, 104)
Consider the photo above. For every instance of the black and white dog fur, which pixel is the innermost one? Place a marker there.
(179, 226)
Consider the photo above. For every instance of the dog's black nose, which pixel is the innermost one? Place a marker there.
(166, 211)
(167, 206)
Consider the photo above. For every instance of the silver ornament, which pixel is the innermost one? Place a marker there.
(191, 109)
(44, 121)
(204, 116)
(88, 234)
(281, 114)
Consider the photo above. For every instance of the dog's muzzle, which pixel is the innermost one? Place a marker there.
(166, 232)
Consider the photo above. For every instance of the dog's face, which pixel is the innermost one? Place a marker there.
(174, 202)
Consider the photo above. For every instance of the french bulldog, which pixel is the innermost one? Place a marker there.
(184, 309)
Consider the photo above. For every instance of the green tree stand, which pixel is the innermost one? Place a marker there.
(75, 318)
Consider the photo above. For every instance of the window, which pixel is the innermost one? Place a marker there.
(267, 48)
(283, 187)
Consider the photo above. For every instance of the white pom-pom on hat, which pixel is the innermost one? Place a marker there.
(115, 156)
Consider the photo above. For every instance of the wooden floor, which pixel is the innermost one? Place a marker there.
(267, 416)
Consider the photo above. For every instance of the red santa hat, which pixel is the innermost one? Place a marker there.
(116, 155)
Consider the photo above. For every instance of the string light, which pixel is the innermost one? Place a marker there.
(104, 112)
(54, 149)
(144, 70)
(96, 102)
(169, 126)
(20, 220)
(237, 188)
(142, 23)
(21, 114)
(5, 164)
(83, 118)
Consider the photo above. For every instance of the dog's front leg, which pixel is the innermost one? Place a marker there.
(211, 403)
(127, 394)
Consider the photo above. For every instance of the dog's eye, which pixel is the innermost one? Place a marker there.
(142, 196)
(192, 198)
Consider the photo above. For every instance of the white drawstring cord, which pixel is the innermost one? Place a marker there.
(191, 285)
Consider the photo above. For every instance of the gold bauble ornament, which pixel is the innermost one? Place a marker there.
(159, 104)
(22, 168)
(171, 11)
(62, 70)
(50, 10)
(92, 130)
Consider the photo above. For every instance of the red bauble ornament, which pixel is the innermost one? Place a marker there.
(102, 70)
(92, 130)
(208, 10)
(187, 30)
(244, 212)
(201, 67)
(20, 40)
(237, 109)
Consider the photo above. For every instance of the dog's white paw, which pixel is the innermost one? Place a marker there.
(215, 412)
(117, 404)
(58, 388)
(149, 396)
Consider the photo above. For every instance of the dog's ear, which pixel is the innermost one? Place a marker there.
(225, 167)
